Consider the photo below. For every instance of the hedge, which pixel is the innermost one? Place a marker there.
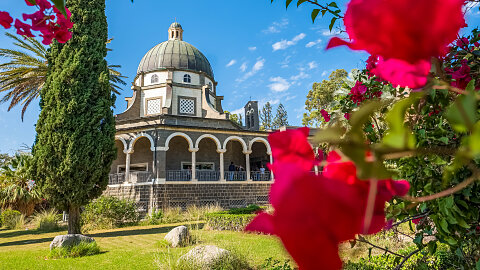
(222, 221)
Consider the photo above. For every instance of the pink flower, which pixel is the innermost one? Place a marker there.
(462, 42)
(357, 92)
(461, 75)
(23, 28)
(325, 115)
(320, 211)
(399, 72)
(405, 31)
(290, 147)
(347, 116)
(5, 19)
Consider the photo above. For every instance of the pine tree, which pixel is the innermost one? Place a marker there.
(281, 117)
(266, 117)
(75, 146)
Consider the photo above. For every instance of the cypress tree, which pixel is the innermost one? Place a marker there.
(266, 116)
(75, 131)
(281, 117)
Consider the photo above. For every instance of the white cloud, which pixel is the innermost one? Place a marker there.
(278, 84)
(312, 65)
(313, 43)
(252, 48)
(290, 98)
(324, 73)
(238, 111)
(329, 33)
(283, 44)
(301, 75)
(276, 27)
(256, 67)
(231, 63)
(243, 67)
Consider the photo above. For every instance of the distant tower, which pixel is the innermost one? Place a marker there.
(175, 31)
(251, 116)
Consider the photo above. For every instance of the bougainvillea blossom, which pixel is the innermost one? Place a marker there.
(357, 92)
(325, 115)
(409, 32)
(5, 20)
(461, 76)
(313, 212)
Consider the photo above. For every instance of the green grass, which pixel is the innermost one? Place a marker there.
(128, 248)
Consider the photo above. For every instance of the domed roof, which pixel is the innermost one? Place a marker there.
(175, 53)
(175, 25)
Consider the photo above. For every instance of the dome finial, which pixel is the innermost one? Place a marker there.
(175, 31)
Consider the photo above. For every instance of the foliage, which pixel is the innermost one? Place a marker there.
(235, 118)
(154, 218)
(266, 117)
(24, 75)
(46, 220)
(320, 97)
(4, 159)
(225, 221)
(109, 212)
(75, 132)
(272, 264)
(281, 117)
(251, 209)
(17, 190)
(11, 218)
(75, 251)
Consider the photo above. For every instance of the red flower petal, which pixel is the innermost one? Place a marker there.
(292, 146)
(402, 73)
(261, 223)
(5, 19)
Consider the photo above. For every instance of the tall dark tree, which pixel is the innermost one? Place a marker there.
(75, 132)
(266, 117)
(281, 117)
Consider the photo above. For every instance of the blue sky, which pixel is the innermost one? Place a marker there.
(257, 50)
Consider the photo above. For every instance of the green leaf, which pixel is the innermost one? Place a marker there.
(332, 22)
(474, 140)
(333, 4)
(301, 2)
(462, 113)
(33, 2)
(444, 225)
(288, 3)
(60, 4)
(315, 14)
(477, 265)
(444, 140)
(451, 241)
(331, 134)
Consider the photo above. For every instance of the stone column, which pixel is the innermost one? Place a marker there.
(160, 171)
(127, 166)
(194, 164)
(271, 162)
(222, 165)
(247, 165)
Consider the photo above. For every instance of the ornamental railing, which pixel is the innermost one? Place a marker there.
(261, 176)
(116, 178)
(235, 176)
(179, 175)
(141, 177)
(207, 175)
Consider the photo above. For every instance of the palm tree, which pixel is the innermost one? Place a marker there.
(22, 78)
(17, 191)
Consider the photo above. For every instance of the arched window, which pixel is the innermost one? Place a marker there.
(154, 78)
(187, 78)
(210, 86)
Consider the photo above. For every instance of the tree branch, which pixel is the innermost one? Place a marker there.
(378, 247)
(405, 258)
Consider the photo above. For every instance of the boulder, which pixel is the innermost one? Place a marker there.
(178, 236)
(69, 240)
(204, 256)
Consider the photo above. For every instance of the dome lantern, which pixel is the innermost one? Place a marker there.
(175, 31)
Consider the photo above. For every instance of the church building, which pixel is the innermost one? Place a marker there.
(176, 145)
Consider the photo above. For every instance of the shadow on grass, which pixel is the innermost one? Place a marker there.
(137, 231)
(27, 242)
(9, 233)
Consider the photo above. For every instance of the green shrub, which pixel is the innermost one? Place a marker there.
(46, 220)
(12, 219)
(251, 209)
(154, 218)
(272, 264)
(80, 250)
(233, 261)
(225, 221)
(172, 215)
(109, 212)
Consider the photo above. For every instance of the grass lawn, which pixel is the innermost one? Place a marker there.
(128, 248)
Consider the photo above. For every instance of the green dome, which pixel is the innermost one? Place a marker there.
(176, 54)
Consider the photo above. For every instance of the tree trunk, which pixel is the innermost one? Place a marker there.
(74, 220)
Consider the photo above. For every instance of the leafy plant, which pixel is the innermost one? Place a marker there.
(12, 219)
(109, 212)
(46, 220)
(75, 251)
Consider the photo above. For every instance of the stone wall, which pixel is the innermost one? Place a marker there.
(182, 195)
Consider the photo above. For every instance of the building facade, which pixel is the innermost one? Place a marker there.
(176, 146)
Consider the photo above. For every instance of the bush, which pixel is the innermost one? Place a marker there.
(251, 209)
(272, 264)
(224, 221)
(80, 250)
(172, 215)
(12, 219)
(46, 220)
(109, 212)
(154, 218)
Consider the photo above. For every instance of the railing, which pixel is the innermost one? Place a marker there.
(180, 175)
(141, 177)
(116, 178)
(236, 176)
(207, 175)
(261, 176)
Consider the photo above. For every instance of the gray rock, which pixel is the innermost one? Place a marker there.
(178, 236)
(69, 240)
(204, 256)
